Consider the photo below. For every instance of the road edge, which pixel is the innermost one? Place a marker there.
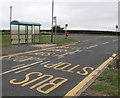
(85, 83)
(37, 50)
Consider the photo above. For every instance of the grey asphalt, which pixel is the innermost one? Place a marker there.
(91, 52)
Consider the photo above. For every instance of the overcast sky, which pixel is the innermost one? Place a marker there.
(78, 14)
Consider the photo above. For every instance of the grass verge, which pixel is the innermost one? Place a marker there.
(44, 39)
(56, 40)
(5, 41)
(107, 83)
(94, 34)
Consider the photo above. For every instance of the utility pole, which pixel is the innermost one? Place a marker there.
(55, 21)
(52, 21)
(10, 23)
(10, 14)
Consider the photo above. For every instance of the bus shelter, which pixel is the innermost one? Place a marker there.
(24, 33)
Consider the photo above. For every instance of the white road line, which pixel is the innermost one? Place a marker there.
(74, 52)
(20, 68)
(105, 43)
(68, 53)
(92, 46)
(63, 54)
(86, 40)
(115, 40)
(90, 39)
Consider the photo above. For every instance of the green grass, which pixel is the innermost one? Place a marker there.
(56, 40)
(49, 33)
(61, 40)
(107, 83)
(43, 40)
(5, 41)
(92, 34)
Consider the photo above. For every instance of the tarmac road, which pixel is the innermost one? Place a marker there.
(55, 71)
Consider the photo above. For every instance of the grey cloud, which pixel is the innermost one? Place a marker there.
(96, 15)
(79, 15)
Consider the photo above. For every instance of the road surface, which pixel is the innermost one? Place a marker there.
(55, 71)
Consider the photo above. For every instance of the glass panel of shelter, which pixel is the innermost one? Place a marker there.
(14, 34)
(36, 34)
(22, 34)
(29, 35)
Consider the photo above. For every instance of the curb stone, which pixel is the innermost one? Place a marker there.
(16, 49)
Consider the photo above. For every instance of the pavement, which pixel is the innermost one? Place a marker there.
(16, 49)
(57, 71)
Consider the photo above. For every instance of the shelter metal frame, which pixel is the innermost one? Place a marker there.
(31, 36)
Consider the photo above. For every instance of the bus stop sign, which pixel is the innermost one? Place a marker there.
(66, 25)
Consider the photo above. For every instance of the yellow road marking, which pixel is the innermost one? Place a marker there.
(44, 62)
(23, 70)
(46, 84)
(61, 57)
(70, 70)
(17, 65)
(89, 77)
(26, 52)
(32, 51)
(50, 77)
(114, 55)
(24, 59)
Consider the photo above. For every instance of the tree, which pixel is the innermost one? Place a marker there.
(58, 27)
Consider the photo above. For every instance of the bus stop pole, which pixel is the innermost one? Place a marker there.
(52, 21)
(10, 34)
(19, 35)
(116, 29)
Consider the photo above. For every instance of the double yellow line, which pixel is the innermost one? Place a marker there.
(80, 86)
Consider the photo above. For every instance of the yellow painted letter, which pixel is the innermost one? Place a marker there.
(85, 70)
(51, 65)
(64, 65)
(51, 83)
(26, 79)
